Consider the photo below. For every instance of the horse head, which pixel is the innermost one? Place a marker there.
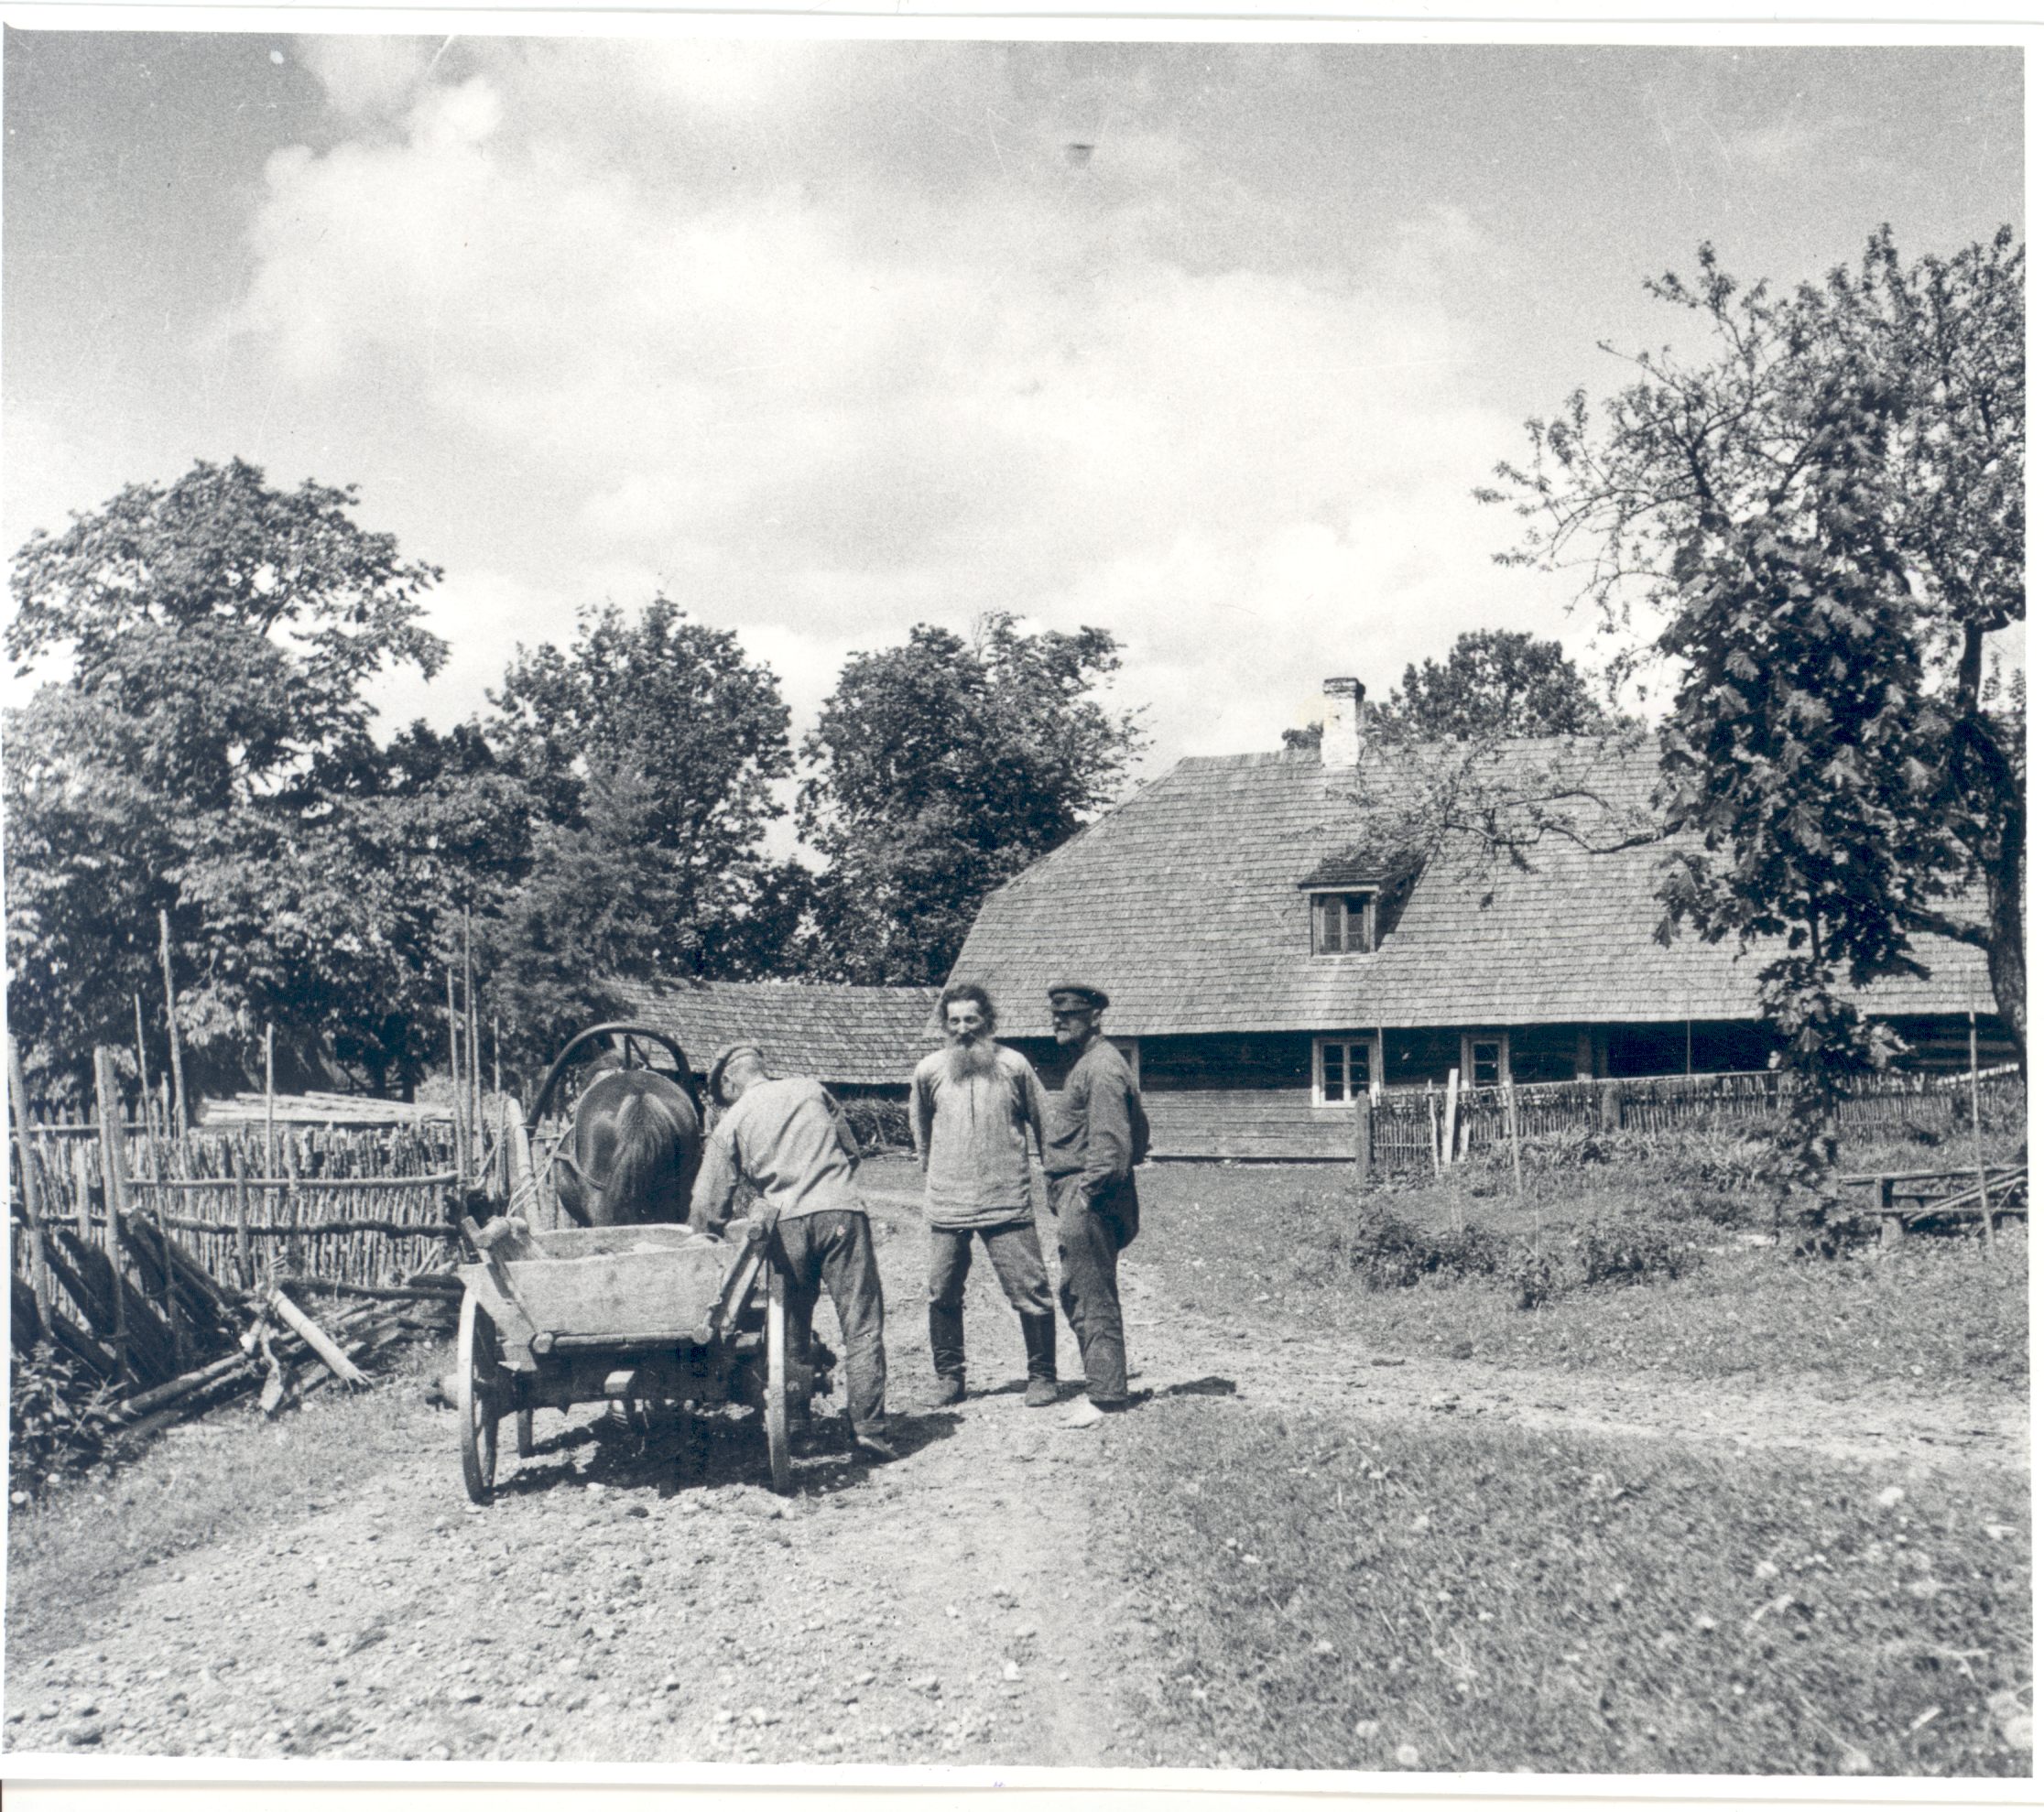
(633, 1152)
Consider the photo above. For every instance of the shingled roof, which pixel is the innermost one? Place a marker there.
(1185, 904)
(836, 1034)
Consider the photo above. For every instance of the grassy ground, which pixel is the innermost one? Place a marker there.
(70, 1554)
(1354, 1598)
(1277, 1240)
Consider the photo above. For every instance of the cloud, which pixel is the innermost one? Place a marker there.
(824, 357)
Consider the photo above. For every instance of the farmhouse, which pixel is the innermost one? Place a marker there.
(858, 1042)
(1270, 959)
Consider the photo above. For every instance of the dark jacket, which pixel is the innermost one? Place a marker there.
(1096, 1127)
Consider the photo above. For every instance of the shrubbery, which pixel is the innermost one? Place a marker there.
(1390, 1253)
(878, 1125)
(1393, 1253)
(55, 1417)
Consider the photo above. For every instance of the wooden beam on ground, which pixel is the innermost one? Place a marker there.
(315, 1337)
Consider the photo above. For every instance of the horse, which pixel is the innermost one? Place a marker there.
(633, 1152)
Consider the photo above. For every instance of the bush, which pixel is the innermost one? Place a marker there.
(1631, 1252)
(878, 1125)
(1532, 1277)
(1392, 1253)
(55, 1417)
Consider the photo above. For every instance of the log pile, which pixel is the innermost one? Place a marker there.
(147, 1340)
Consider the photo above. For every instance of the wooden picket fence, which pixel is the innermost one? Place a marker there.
(1404, 1130)
(136, 1249)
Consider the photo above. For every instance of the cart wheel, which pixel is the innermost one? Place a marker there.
(477, 1399)
(775, 1410)
(524, 1434)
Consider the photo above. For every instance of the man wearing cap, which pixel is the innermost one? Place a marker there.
(786, 1138)
(1097, 1133)
(974, 1106)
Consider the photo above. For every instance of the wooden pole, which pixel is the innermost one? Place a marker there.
(269, 1098)
(81, 1183)
(1979, 1167)
(474, 1025)
(315, 1337)
(142, 1056)
(115, 1163)
(31, 1187)
(1511, 1127)
(247, 1269)
(170, 1019)
(1433, 1127)
(1454, 1099)
(1363, 1130)
(454, 1074)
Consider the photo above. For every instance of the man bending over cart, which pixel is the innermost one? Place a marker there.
(787, 1139)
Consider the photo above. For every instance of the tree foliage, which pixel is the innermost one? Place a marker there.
(939, 769)
(215, 636)
(650, 747)
(1494, 683)
(1822, 513)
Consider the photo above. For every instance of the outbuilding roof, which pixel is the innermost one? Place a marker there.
(835, 1032)
(1186, 905)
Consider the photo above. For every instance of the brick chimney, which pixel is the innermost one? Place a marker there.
(1341, 726)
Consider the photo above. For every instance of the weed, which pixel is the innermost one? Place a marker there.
(1392, 1253)
(56, 1411)
(1631, 1252)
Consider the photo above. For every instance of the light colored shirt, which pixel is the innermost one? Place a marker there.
(787, 1139)
(973, 1133)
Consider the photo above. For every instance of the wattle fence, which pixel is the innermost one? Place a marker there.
(1412, 1129)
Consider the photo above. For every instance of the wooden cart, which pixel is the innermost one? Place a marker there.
(637, 1315)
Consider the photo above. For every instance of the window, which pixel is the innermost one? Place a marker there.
(1341, 1070)
(1343, 924)
(1486, 1059)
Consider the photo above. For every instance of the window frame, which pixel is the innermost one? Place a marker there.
(1503, 1040)
(1316, 908)
(1347, 1045)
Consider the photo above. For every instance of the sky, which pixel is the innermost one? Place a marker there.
(1206, 344)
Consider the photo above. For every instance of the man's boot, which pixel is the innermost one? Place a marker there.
(946, 1352)
(1039, 1340)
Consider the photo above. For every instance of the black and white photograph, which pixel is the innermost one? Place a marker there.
(1118, 904)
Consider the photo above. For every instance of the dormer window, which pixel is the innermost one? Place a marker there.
(1344, 924)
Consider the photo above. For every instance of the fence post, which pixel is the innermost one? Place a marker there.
(1454, 1101)
(81, 1183)
(1980, 1167)
(239, 1168)
(31, 1188)
(115, 1161)
(170, 1020)
(1609, 1112)
(1511, 1127)
(1363, 1131)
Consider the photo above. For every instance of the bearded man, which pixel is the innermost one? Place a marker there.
(974, 1107)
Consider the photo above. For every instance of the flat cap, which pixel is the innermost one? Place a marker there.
(714, 1079)
(1074, 996)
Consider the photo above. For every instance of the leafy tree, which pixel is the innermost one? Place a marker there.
(1824, 511)
(1495, 682)
(214, 635)
(650, 747)
(941, 768)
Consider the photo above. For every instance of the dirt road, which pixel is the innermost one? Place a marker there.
(629, 1603)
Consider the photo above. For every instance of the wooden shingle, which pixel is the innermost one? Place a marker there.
(868, 1036)
(1186, 905)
